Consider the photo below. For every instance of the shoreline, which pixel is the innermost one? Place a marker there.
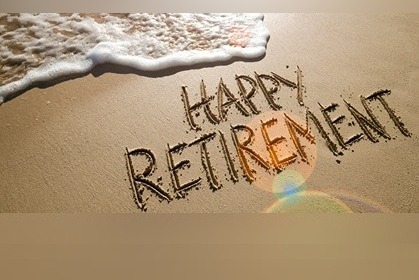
(65, 148)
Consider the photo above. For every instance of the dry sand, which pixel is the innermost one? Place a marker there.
(63, 147)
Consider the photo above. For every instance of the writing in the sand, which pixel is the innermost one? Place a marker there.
(266, 157)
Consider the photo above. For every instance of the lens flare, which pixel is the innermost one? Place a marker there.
(294, 149)
(288, 182)
(357, 202)
(309, 202)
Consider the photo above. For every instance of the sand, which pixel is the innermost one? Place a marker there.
(63, 146)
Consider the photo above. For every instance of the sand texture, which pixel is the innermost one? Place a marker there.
(63, 147)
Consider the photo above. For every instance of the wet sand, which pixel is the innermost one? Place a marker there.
(63, 147)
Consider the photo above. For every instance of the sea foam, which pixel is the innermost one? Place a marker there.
(41, 47)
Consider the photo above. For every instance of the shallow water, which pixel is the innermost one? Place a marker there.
(40, 47)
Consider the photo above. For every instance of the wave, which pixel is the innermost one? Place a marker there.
(41, 47)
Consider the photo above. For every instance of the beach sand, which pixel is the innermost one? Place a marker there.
(63, 146)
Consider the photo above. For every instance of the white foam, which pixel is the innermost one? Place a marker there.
(53, 45)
